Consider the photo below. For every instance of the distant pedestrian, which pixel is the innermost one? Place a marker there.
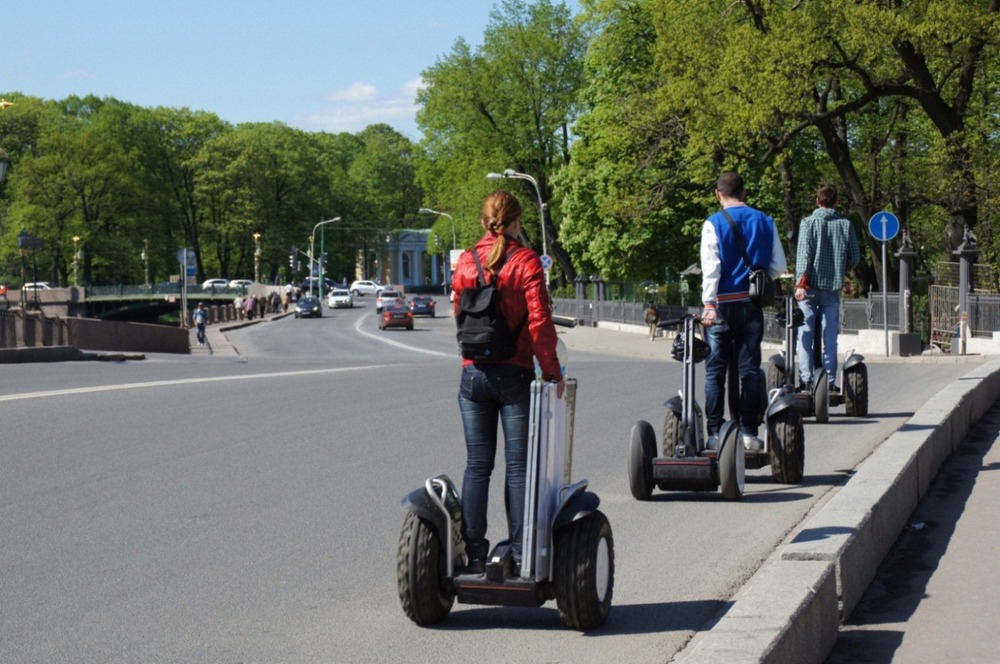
(200, 317)
(652, 318)
(248, 307)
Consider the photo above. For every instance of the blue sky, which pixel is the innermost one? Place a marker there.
(319, 65)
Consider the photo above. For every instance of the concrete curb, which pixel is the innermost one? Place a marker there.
(788, 614)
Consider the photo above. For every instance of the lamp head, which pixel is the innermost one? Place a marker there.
(494, 176)
(426, 211)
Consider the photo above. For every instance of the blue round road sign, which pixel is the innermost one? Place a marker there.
(883, 226)
(546, 261)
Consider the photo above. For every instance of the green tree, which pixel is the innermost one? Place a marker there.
(509, 104)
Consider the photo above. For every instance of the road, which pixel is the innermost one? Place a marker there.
(183, 509)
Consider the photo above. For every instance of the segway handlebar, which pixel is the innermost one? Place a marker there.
(676, 322)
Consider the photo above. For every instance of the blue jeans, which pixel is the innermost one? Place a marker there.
(488, 394)
(825, 304)
(741, 332)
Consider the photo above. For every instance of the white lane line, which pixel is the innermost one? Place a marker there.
(181, 381)
(392, 342)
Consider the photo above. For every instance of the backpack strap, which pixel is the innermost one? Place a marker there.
(739, 238)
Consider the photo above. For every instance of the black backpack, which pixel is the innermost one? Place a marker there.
(483, 334)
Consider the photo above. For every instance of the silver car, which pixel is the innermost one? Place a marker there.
(340, 298)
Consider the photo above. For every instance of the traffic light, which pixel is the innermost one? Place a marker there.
(293, 261)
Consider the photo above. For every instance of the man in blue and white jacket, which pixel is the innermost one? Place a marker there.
(733, 323)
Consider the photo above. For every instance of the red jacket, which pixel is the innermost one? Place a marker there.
(523, 290)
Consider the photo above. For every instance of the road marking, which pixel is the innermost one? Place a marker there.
(392, 342)
(181, 381)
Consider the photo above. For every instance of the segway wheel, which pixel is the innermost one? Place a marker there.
(732, 462)
(641, 451)
(821, 398)
(420, 571)
(775, 378)
(585, 571)
(787, 438)
(855, 389)
(672, 432)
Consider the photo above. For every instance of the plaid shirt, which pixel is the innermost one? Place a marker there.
(827, 249)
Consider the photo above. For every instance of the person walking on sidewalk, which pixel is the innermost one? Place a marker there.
(733, 324)
(827, 249)
(200, 318)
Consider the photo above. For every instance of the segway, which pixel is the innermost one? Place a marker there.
(567, 550)
(812, 400)
(853, 374)
(687, 463)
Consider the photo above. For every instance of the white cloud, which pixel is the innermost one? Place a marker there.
(357, 92)
(410, 88)
(80, 73)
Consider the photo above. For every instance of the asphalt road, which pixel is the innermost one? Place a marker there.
(204, 509)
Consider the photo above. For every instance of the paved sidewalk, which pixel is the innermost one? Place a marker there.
(935, 596)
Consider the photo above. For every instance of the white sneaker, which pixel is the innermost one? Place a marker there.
(713, 442)
(752, 442)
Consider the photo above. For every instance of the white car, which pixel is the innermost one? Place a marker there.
(38, 285)
(365, 287)
(216, 283)
(339, 298)
(240, 283)
(388, 296)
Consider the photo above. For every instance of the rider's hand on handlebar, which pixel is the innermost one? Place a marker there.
(800, 293)
(708, 317)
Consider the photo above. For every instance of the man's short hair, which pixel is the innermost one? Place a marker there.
(730, 185)
(826, 196)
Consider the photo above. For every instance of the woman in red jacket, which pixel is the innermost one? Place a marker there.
(500, 391)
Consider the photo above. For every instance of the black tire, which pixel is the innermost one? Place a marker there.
(732, 462)
(764, 390)
(787, 446)
(775, 378)
(585, 571)
(855, 389)
(641, 451)
(356, 293)
(673, 432)
(821, 399)
(420, 572)
(409, 328)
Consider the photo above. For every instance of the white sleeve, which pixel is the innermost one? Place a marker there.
(778, 262)
(711, 266)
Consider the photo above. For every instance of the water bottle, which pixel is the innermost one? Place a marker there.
(563, 354)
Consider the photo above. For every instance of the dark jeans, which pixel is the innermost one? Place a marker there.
(492, 393)
(201, 333)
(741, 332)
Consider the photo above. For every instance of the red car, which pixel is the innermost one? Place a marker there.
(395, 315)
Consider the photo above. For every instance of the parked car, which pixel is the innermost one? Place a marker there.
(365, 287)
(311, 284)
(422, 305)
(37, 285)
(388, 296)
(240, 283)
(340, 298)
(395, 315)
(308, 306)
(215, 283)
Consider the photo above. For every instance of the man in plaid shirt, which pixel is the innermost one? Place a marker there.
(827, 249)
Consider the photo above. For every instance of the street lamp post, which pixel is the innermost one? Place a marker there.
(312, 240)
(145, 261)
(4, 165)
(256, 258)
(454, 237)
(514, 175)
(76, 260)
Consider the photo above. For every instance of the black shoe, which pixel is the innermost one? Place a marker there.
(834, 389)
(475, 565)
